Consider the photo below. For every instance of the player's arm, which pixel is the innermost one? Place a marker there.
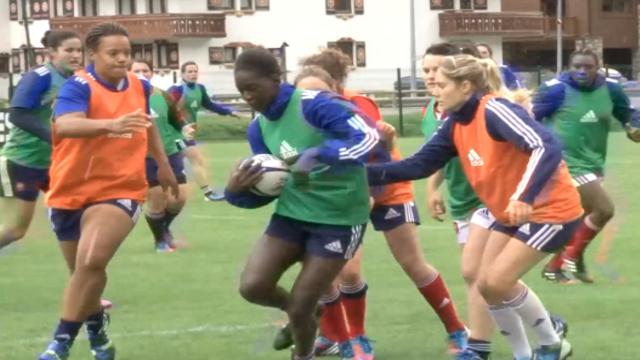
(548, 99)
(244, 175)
(210, 105)
(623, 111)
(432, 156)
(176, 119)
(352, 136)
(70, 114)
(26, 100)
(510, 122)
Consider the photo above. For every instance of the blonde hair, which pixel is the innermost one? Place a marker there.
(461, 68)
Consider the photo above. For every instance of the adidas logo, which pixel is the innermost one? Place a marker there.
(444, 303)
(194, 104)
(525, 229)
(335, 247)
(392, 214)
(154, 115)
(589, 117)
(474, 158)
(287, 151)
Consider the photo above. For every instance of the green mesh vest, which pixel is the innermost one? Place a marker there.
(191, 101)
(160, 110)
(582, 124)
(462, 200)
(337, 195)
(26, 149)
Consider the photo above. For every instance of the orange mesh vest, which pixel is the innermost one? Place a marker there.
(109, 166)
(495, 168)
(393, 194)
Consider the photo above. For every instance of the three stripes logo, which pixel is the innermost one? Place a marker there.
(287, 151)
(475, 158)
(589, 117)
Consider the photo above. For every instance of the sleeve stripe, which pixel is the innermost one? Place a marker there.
(515, 123)
(369, 141)
(528, 134)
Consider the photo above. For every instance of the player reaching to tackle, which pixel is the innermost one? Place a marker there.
(321, 215)
(515, 167)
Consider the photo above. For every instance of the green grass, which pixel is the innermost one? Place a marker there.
(185, 305)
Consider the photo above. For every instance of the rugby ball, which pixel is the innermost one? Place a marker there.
(275, 175)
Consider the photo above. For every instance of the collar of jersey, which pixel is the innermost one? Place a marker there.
(566, 78)
(279, 105)
(124, 83)
(467, 111)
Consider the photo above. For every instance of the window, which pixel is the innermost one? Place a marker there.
(16, 61)
(142, 52)
(126, 7)
(63, 7)
(617, 6)
(441, 4)
(13, 9)
(4, 63)
(88, 7)
(227, 55)
(157, 7)
(221, 4)
(344, 7)
(168, 55)
(473, 4)
(230, 54)
(40, 9)
(355, 50)
(246, 4)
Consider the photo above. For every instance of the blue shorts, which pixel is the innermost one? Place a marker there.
(184, 143)
(547, 238)
(177, 165)
(66, 222)
(22, 182)
(389, 217)
(327, 241)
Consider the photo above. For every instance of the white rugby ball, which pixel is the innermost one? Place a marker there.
(275, 175)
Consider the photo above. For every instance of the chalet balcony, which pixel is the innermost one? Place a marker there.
(510, 24)
(151, 26)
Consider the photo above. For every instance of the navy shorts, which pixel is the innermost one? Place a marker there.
(389, 217)
(184, 143)
(327, 241)
(177, 165)
(547, 238)
(22, 182)
(66, 222)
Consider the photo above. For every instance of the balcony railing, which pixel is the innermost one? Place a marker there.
(513, 24)
(151, 26)
(454, 23)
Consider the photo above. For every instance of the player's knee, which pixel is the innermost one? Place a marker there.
(13, 233)
(493, 288)
(603, 213)
(469, 273)
(299, 312)
(252, 289)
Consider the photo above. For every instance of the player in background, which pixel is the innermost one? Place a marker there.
(515, 167)
(579, 107)
(161, 207)
(321, 215)
(101, 134)
(509, 78)
(471, 219)
(395, 214)
(191, 97)
(26, 156)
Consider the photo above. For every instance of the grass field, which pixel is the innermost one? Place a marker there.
(185, 305)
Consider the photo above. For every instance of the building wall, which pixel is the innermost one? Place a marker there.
(520, 5)
(384, 28)
(618, 30)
